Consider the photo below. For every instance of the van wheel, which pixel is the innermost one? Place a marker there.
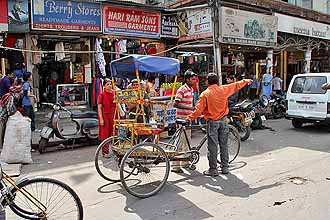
(297, 123)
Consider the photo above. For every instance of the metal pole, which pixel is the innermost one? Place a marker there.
(216, 8)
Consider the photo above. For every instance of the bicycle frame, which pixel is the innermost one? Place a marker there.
(7, 195)
(176, 138)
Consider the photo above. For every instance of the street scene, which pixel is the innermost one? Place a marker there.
(164, 109)
(260, 186)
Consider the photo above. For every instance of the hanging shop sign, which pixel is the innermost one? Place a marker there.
(4, 17)
(195, 24)
(18, 16)
(62, 15)
(131, 22)
(248, 28)
(169, 26)
(298, 26)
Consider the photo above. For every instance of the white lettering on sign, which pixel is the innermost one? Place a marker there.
(81, 9)
(133, 18)
(148, 20)
(116, 16)
(59, 9)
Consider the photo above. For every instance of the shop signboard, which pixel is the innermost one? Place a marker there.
(248, 28)
(298, 26)
(4, 17)
(169, 27)
(195, 24)
(18, 16)
(62, 15)
(131, 22)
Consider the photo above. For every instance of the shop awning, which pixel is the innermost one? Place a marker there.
(125, 67)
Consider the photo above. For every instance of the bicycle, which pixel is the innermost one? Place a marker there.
(108, 156)
(39, 198)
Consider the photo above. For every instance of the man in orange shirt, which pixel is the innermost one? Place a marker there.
(213, 104)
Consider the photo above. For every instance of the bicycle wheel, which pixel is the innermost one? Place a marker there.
(107, 161)
(51, 198)
(234, 143)
(150, 168)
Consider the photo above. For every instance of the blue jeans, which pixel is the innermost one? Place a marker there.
(217, 134)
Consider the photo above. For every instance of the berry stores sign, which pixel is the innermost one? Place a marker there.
(131, 22)
(63, 15)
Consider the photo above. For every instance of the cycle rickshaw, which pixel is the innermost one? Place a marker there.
(143, 164)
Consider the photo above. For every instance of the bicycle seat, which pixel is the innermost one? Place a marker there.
(84, 114)
(182, 122)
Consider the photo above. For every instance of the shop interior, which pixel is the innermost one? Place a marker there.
(63, 76)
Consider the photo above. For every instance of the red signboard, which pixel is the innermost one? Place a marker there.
(4, 16)
(131, 22)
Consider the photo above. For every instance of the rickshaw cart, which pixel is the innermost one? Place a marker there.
(143, 165)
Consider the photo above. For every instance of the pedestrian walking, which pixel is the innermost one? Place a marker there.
(253, 87)
(184, 106)
(277, 84)
(213, 104)
(106, 110)
(267, 84)
(28, 99)
(7, 108)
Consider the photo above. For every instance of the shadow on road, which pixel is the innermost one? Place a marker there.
(228, 185)
(170, 204)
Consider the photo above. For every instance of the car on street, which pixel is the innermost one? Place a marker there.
(307, 102)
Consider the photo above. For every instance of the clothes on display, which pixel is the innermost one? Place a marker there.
(122, 46)
(59, 48)
(36, 56)
(117, 50)
(100, 57)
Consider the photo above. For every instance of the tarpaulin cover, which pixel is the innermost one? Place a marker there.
(125, 67)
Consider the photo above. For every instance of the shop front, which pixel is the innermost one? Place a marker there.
(195, 49)
(247, 43)
(130, 31)
(304, 46)
(61, 41)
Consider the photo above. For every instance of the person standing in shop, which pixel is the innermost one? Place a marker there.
(253, 87)
(28, 99)
(184, 106)
(234, 98)
(277, 84)
(106, 111)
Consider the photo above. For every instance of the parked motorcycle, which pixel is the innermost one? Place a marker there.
(241, 116)
(259, 108)
(278, 106)
(86, 127)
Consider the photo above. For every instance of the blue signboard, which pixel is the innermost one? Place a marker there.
(63, 15)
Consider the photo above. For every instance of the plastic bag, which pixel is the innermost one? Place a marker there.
(17, 141)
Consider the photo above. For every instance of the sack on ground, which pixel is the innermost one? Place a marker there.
(17, 141)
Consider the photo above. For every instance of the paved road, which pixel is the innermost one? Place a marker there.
(259, 178)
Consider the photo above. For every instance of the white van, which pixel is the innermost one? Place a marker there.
(307, 102)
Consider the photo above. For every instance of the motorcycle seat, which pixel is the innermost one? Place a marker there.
(89, 114)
